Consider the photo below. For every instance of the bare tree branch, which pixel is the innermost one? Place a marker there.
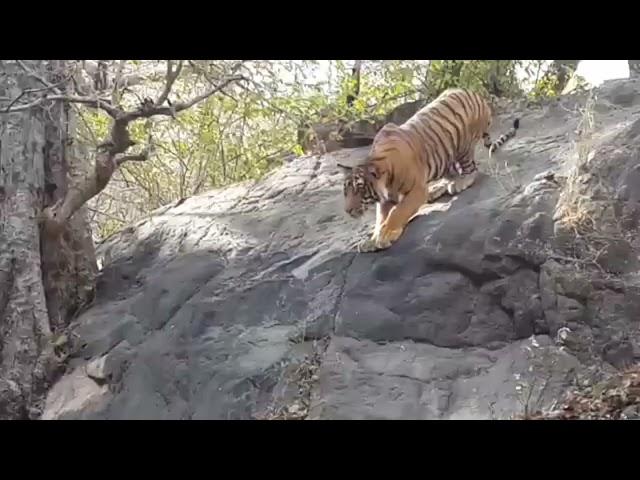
(205, 74)
(148, 110)
(106, 214)
(172, 75)
(140, 157)
(115, 95)
(47, 85)
(102, 103)
(110, 156)
(22, 107)
(111, 153)
(82, 116)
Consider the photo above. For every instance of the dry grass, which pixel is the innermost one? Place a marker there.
(585, 212)
(615, 399)
(573, 211)
(533, 390)
(501, 173)
(300, 379)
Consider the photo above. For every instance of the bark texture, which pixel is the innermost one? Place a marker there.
(43, 279)
(24, 321)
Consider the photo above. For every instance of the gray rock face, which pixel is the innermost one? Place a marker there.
(204, 308)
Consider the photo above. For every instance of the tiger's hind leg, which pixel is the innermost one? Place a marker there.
(397, 220)
(459, 184)
(461, 175)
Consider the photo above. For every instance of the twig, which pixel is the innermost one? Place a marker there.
(36, 76)
(28, 91)
(104, 104)
(108, 215)
(147, 111)
(578, 260)
(171, 77)
(115, 97)
(23, 107)
(110, 159)
(80, 113)
(140, 157)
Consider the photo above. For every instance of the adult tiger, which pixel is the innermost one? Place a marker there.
(437, 142)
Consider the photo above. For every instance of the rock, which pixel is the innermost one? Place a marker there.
(403, 112)
(621, 93)
(96, 369)
(631, 413)
(203, 310)
(338, 134)
(618, 353)
(404, 380)
(618, 256)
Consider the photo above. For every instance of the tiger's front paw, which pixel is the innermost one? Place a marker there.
(367, 245)
(379, 240)
(387, 237)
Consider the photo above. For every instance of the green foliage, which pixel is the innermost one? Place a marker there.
(551, 80)
(546, 87)
(496, 77)
(107, 227)
(244, 133)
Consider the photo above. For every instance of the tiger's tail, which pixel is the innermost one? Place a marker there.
(504, 138)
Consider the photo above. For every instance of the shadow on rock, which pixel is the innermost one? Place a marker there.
(204, 307)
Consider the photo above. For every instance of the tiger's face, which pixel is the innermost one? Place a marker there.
(359, 188)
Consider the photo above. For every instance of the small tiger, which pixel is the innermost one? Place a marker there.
(437, 142)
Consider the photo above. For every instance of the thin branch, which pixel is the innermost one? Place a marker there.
(81, 114)
(101, 103)
(47, 85)
(15, 100)
(110, 158)
(111, 152)
(108, 215)
(172, 75)
(147, 111)
(140, 157)
(185, 105)
(115, 95)
(21, 108)
(232, 70)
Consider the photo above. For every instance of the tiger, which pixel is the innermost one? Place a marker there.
(437, 142)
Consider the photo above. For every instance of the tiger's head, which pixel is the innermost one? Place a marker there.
(366, 184)
(360, 188)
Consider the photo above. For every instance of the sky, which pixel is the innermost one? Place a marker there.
(593, 71)
(597, 71)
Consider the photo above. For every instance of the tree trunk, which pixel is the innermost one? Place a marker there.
(355, 78)
(634, 68)
(564, 69)
(43, 279)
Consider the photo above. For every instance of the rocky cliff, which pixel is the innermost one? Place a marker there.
(250, 302)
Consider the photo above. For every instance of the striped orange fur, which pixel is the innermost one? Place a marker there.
(438, 141)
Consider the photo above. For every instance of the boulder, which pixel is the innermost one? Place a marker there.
(217, 307)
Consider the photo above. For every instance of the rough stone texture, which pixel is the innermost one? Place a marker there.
(366, 381)
(476, 312)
